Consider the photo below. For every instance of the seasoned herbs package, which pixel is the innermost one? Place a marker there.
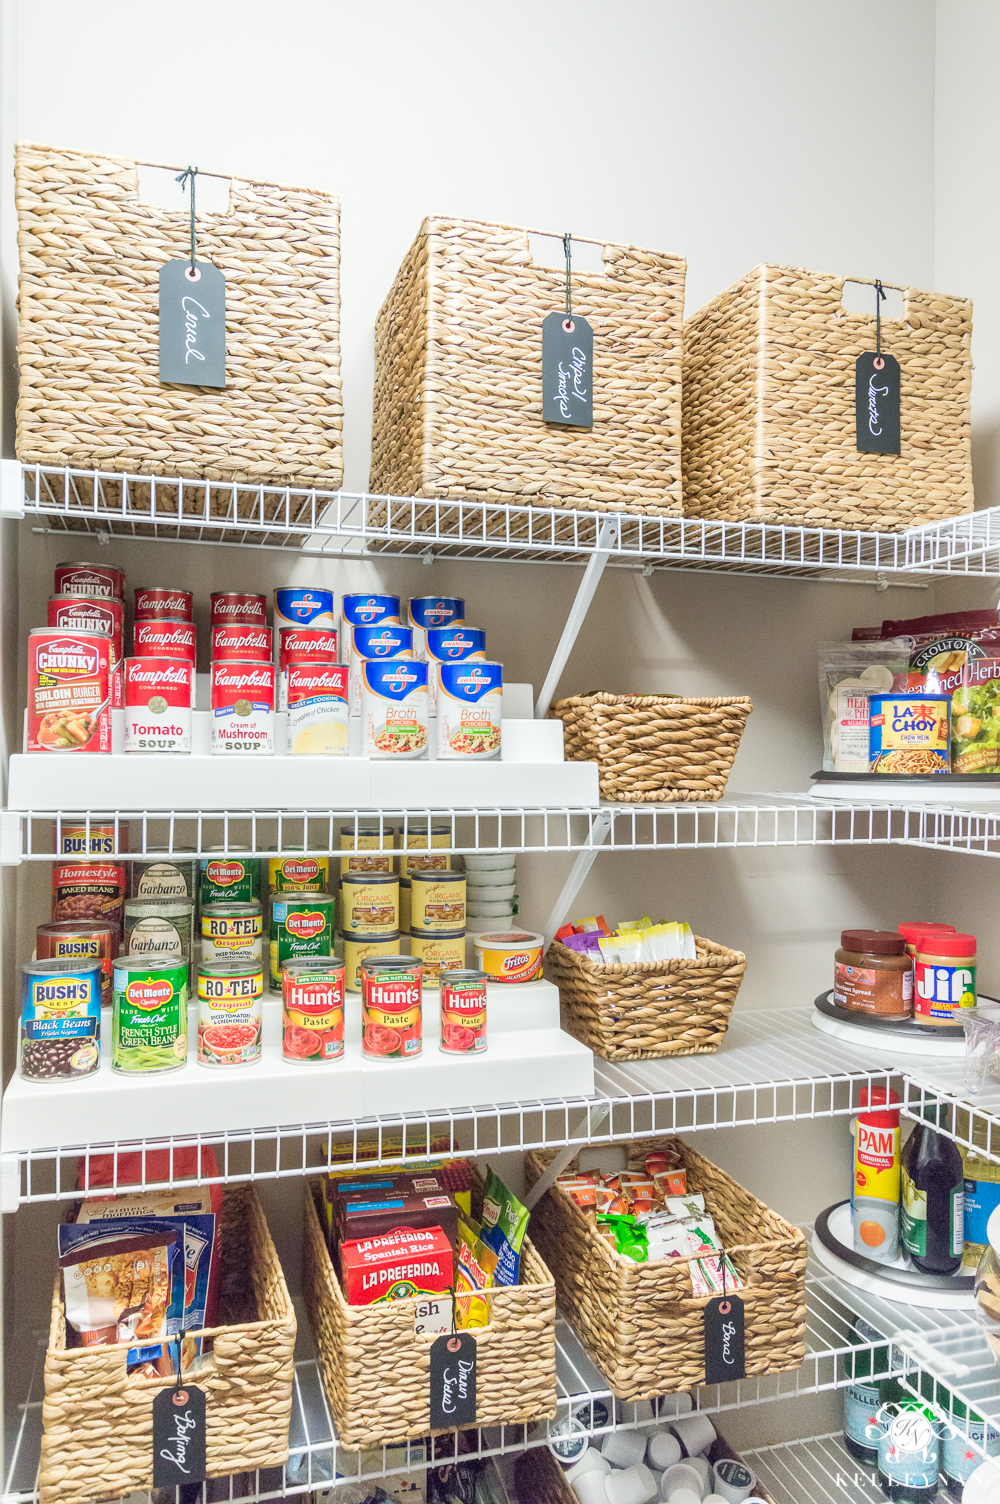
(505, 1222)
(975, 718)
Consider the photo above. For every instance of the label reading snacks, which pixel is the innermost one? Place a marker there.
(567, 371)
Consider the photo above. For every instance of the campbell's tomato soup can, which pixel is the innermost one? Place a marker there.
(379, 643)
(102, 581)
(394, 708)
(426, 611)
(361, 610)
(158, 697)
(167, 639)
(298, 874)
(463, 1012)
(391, 1016)
(69, 691)
(470, 710)
(450, 645)
(510, 955)
(295, 606)
(302, 645)
(241, 643)
(317, 709)
(243, 708)
(230, 1012)
(161, 603)
(312, 1010)
(235, 608)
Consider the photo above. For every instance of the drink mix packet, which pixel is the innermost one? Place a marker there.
(505, 1222)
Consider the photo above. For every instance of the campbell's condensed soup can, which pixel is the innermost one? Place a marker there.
(160, 603)
(91, 613)
(158, 696)
(317, 709)
(69, 691)
(295, 607)
(302, 645)
(235, 607)
(243, 708)
(103, 581)
(241, 642)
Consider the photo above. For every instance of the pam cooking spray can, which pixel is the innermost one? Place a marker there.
(876, 1175)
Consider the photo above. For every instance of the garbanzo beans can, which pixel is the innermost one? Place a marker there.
(438, 953)
(299, 874)
(358, 948)
(437, 902)
(301, 925)
(230, 1018)
(391, 1013)
(312, 1010)
(369, 903)
(463, 1012)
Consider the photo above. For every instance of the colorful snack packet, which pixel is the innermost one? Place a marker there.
(505, 1222)
(476, 1267)
(691, 1205)
(713, 1276)
(671, 1183)
(120, 1280)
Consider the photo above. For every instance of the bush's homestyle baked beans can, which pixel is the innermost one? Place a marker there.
(230, 1012)
(229, 876)
(427, 611)
(470, 710)
(438, 953)
(235, 607)
(302, 645)
(86, 613)
(69, 691)
(102, 581)
(301, 925)
(394, 709)
(60, 1019)
(93, 838)
(241, 642)
(381, 643)
(437, 902)
(463, 1012)
(369, 903)
(420, 854)
(450, 645)
(76, 940)
(89, 890)
(162, 603)
(149, 1015)
(295, 606)
(360, 610)
(243, 708)
(391, 996)
(312, 1010)
(298, 874)
(163, 875)
(317, 709)
(233, 932)
(358, 948)
(370, 847)
(159, 694)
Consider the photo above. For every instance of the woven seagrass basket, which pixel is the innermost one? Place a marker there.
(769, 414)
(538, 1478)
(90, 393)
(98, 1433)
(376, 1368)
(458, 377)
(655, 749)
(650, 1009)
(640, 1322)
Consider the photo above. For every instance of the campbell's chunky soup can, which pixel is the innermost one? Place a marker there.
(233, 607)
(360, 610)
(149, 1015)
(60, 1019)
(297, 606)
(391, 1018)
(69, 691)
(163, 875)
(380, 643)
(369, 903)
(102, 581)
(298, 874)
(159, 693)
(233, 932)
(463, 1011)
(437, 953)
(370, 847)
(437, 902)
(86, 613)
(450, 645)
(230, 1012)
(470, 705)
(166, 639)
(301, 925)
(163, 603)
(75, 940)
(89, 890)
(427, 611)
(302, 645)
(241, 642)
(312, 1010)
(394, 709)
(243, 708)
(229, 877)
(317, 709)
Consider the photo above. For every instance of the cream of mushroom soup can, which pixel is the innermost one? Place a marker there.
(243, 709)
(317, 709)
(159, 693)
(394, 709)
(470, 711)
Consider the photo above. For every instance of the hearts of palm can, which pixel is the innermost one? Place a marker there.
(301, 925)
(312, 1010)
(149, 1014)
(391, 1013)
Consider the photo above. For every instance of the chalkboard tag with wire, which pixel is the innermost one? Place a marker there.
(876, 394)
(567, 363)
(192, 316)
(453, 1381)
(179, 1436)
(724, 1339)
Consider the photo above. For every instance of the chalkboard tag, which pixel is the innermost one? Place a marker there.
(179, 1436)
(567, 370)
(724, 1359)
(453, 1381)
(876, 403)
(192, 324)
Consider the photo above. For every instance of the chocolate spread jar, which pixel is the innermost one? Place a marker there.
(874, 975)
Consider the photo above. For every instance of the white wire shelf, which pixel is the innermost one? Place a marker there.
(819, 1470)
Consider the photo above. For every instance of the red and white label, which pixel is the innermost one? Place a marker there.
(158, 696)
(149, 994)
(302, 645)
(159, 603)
(166, 639)
(241, 643)
(102, 581)
(88, 613)
(243, 708)
(232, 608)
(69, 683)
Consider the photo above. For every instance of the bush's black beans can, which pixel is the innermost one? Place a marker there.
(60, 1019)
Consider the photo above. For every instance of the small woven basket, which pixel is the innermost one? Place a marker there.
(655, 749)
(769, 406)
(650, 1009)
(376, 1368)
(640, 1322)
(98, 1438)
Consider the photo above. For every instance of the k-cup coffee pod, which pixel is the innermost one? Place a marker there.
(683, 1496)
(627, 1412)
(663, 1450)
(624, 1448)
(681, 1475)
(733, 1480)
(569, 1440)
(636, 1485)
(704, 1467)
(670, 1405)
(591, 1488)
(592, 1461)
(694, 1432)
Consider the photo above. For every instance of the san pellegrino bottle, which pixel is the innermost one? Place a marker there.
(866, 1367)
(908, 1452)
(965, 1438)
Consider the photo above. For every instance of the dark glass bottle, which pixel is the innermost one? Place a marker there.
(908, 1447)
(864, 1368)
(932, 1196)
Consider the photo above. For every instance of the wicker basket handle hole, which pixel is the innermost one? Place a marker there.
(159, 189)
(859, 298)
(547, 251)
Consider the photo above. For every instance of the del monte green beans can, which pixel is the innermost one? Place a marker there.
(301, 925)
(149, 1015)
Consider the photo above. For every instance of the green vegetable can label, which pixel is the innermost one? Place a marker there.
(300, 926)
(149, 1018)
(229, 879)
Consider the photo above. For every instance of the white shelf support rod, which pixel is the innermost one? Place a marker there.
(598, 835)
(607, 537)
(11, 490)
(591, 1121)
(11, 849)
(10, 1182)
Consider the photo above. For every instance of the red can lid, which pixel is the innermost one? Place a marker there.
(947, 945)
(912, 929)
(874, 1097)
(873, 942)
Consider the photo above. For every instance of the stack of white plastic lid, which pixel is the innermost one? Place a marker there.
(490, 891)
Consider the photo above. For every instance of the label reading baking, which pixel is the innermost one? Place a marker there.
(567, 371)
(192, 324)
(179, 1437)
(876, 403)
(724, 1331)
(453, 1381)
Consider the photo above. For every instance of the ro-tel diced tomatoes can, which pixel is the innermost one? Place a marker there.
(427, 611)
(103, 581)
(230, 1013)
(69, 683)
(391, 992)
(301, 925)
(394, 709)
(60, 1019)
(370, 847)
(87, 613)
(944, 978)
(80, 941)
(302, 645)
(243, 708)
(317, 709)
(89, 890)
(365, 611)
(241, 642)
(163, 603)
(450, 645)
(470, 709)
(227, 876)
(437, 902)
(463, 1012)
(233, 932)
(298, 874)
(298, 607)
(312, 1010)
(159, 693)
(389, 640)
(235, 608)
(910, 734)
(369, 903)
(167, 639)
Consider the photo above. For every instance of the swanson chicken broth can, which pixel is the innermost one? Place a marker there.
(394, 709)
(241, 642)
(149, 1015)
(437, 902)
(102, 581)
(229, 876)
(301, 925)
(450, 645)
(243, 709)
(80, 942)
(391, 1014)
(86, 613)
(317, 709)
(159, 694)
(69, 691)
(380, 644)
(369, 903)
(312, 1010)
(298, 607)
(235, 607)
(427, 611)
(163, 603)
(296, 873)
(60, 1019)
(233, 932)
(230, 1012)
(365, 611)
(470, 705)
(463, 1012)
(302, 645)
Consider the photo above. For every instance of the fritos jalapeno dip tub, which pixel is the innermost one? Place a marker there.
(391, 995)
(510, 955)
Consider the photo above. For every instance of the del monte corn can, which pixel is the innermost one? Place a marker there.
(60, 1019)
(230, 1020)
(149, 1015)
(301, 925)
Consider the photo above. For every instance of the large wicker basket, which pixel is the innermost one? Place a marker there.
(98, 1433)
(640, 1322)
(90, 393)
(769, 408)
(655, 749)
(375, 1367)
(458, 376)
(650, 1009)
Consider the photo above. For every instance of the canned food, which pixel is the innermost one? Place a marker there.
(317, 709)
(369, 903)
(149, 1017)
(394, 709)
(438, 953)
(295, 606)
(909, 733)
(166, 639)
(156, 876)
(417, 856)
(391, 989)
(365, 611)
(301, 925)
(233, 932)
(437, 902)
(426, 611)
(241, 642)
(510, 955)
(234, 607)
(358, 948)
(102, 581)
(470, 706)
(299, 874)
(81, 943)
(405, 905)
(69, 691)
(85, 613)
(369, 843)
(89, 890)
(454, 644)
(243, 708)
(80, 838)
(312, 1010)
(229, 877)
(230, 1012)
(60, 1019)
(381, 644)
(161, 603)
(158, 928)
(302, 645)
(159, 694)
(463, 1012)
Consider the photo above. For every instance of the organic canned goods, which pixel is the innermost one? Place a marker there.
(73, 940)
(159, 694)
(89, 890)
(230, 1013)
(438, 953)
(369, 845)
(453, 644)
(158, 928)
(426, 611)
(317, 709)
(358, 948)
(394, 709)
(418, 857)
(463, 1012)
(243, 708)
(391, 988)
(405, 905)
(166, 639)
(60, 1019)
(229, 877)
(298, 607)
(85, 613)
(470, 698)
(312, 1010)
(102, 581)
(301, 925)
(437, 902)
(232, 607)
(166, 876)
(302, 645)
(69, 691)
(241, 642)
(233, 932)
(162, 603)
(299, 874)
(365, 611)
(149, 1018)
(93, 838)
(383, 644)
(369, 903)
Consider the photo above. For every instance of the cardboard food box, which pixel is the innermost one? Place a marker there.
(403, 1263)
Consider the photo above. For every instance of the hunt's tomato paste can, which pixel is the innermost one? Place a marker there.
(235, 608)
(243, 708)
(312, 1010)
(69, 691)
(161, 603)
(463, 1012)
(158, 696)
(103, 581)
(391, 1022)
(241, 642)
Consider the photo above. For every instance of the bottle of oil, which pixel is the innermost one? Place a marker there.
(932, 1195)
